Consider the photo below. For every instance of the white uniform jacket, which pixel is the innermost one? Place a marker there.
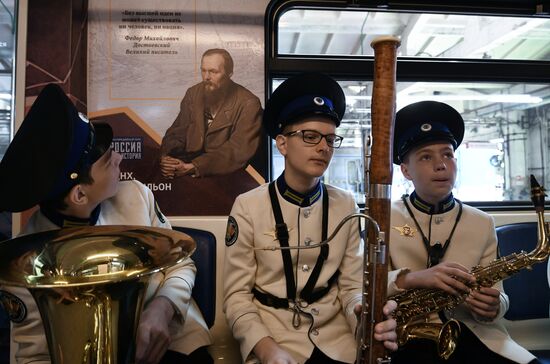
(474, 243)
(329, 323)
(134, 204)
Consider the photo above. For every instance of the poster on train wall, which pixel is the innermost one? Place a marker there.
(182, 84)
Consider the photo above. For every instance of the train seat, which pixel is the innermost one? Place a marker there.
(529, 290)
(204, 291)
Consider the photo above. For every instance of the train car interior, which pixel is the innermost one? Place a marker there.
(489, 59)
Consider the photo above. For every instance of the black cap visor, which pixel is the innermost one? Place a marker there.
(103, 139)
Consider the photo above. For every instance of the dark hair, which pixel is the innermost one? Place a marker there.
(58, 203)
(227, 59)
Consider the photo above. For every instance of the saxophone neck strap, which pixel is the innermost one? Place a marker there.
(436, 251)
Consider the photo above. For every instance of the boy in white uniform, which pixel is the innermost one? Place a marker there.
(296, 306)
(435, 240)
(65, 164)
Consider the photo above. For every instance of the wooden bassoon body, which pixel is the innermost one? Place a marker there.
(378, 180)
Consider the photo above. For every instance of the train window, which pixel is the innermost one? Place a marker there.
(7, 58)
(8, 40)
(505, 139)
(491, 67)
(306, 31)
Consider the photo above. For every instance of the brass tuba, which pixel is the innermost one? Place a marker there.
(89, 284)
(416, 305)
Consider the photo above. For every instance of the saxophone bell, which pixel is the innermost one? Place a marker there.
(445, 335)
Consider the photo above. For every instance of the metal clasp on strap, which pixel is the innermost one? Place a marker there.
(296, 319)
(297, 306)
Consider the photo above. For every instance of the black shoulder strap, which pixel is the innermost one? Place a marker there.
(306, 293)
(281, 232)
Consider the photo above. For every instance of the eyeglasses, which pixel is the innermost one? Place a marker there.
(314, 137)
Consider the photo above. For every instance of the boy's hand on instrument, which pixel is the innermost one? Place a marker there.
(447, 276)
(385, 330)
(484, 303)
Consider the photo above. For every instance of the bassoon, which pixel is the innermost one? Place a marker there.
(378, 180)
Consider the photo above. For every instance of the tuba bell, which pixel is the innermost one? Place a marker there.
(89, 284)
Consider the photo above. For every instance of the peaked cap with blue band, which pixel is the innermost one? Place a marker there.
(425, 122)
(51, 148)
(303, 96)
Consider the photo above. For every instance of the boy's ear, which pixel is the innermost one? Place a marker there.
(280, 141)
(77, 196)
(405, 171)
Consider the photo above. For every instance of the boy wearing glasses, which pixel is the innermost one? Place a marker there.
(296, 306)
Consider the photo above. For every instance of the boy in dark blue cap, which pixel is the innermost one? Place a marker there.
(435, 239)
(296, 306)
(63, 163)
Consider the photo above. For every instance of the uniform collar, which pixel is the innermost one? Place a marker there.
(297, 198)
(443, 206)
(64, 221)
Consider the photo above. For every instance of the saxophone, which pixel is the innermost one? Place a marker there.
(417, 304)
